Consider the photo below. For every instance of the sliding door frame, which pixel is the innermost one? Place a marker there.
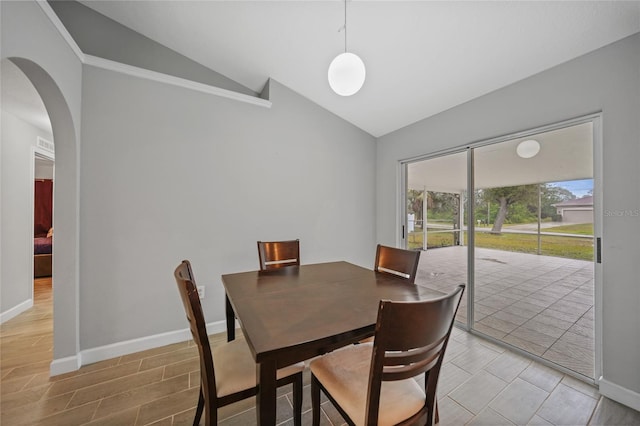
(597, 146)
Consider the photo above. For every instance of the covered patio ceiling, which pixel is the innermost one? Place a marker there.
(565, 154)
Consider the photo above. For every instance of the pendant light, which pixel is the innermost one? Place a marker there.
(346, 71)
(528, 148)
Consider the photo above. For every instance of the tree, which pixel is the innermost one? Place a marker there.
(414, 203)
(553, 195)
(505, 197)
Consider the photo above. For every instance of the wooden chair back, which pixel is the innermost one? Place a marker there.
(398, 262)
(278, 254)
(209, 401)
(191, 301)
(410, 339)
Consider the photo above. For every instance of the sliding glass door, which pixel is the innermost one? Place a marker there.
(435, 205)
(534, 251)
(514, 218)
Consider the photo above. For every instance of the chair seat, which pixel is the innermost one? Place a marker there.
(344, 373)
(236, 368)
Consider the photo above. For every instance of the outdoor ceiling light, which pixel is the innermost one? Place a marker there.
(528, 148)
(346, 71)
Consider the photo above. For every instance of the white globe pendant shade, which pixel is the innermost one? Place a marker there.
(346, 74)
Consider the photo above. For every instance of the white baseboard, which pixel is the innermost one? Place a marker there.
(619, 394)
(16, 310)
(101, 353)
(64, 365)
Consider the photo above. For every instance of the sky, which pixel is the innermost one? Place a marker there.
(579, 188)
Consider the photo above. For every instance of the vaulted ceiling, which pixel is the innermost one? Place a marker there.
(422, 57)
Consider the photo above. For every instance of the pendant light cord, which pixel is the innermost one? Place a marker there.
(345, 26)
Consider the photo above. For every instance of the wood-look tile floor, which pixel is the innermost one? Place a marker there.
(480, 383)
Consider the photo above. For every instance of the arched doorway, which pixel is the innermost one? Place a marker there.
(65, 264)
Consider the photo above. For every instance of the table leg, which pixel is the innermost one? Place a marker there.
(266, 398)
(231, 319)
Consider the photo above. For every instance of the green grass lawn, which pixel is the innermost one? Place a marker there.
(551, 245)
(580, 229)
(560, 246)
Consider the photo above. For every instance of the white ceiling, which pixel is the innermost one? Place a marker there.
(422, 57)
(565, 154)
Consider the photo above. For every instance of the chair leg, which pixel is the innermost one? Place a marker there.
(315, 400)
(433, 416)
(297, 400)
(199, 408)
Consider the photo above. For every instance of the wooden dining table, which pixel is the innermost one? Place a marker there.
(295, 313)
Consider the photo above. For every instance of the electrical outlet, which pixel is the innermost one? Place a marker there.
(201, 291)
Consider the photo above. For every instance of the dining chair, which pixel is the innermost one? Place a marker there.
(398, 262)
(227, 371)
(272, 255)
(278, 254)
(373, 383)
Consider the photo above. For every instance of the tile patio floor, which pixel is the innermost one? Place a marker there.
(541, 304)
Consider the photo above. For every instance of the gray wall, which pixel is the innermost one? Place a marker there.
(16, 226)
(168, 174)
(606, 80)
(172, 174)
(33, 43)
(103, 37)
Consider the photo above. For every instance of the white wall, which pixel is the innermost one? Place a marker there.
(30, 39)
(606, 80)
(44, 169)
(171, 174)
(18, 140)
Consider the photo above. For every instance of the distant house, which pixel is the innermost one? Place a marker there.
(579, 210)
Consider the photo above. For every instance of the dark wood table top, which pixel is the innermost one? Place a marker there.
(296, 313)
